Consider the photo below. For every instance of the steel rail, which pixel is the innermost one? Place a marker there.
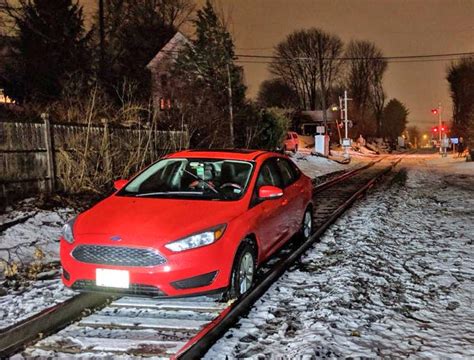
(327, 184)
(201, 343)
(48, 321)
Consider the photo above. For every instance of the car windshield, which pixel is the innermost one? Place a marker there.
(192, 178)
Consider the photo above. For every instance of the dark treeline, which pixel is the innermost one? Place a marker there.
(460, 76)
(58, 65)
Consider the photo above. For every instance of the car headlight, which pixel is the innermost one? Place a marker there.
(197, 240)
(67, 231)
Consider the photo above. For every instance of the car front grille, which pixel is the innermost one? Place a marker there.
(117, 255)
(134, 289)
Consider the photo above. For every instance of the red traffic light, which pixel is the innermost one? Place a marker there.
(434, 129)
(434, 111)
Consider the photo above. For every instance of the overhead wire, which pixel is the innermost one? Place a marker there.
(268, 59)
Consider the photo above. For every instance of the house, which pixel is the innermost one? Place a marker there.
(160, 67)
(306, 121)
(6, 44)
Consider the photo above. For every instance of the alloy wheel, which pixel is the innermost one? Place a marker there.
(307, 224)
(246, 271)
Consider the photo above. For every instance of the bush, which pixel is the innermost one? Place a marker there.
(272, 127)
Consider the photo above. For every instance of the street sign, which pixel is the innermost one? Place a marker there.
(454, 140)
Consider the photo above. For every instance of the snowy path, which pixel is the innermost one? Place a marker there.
(393, 277)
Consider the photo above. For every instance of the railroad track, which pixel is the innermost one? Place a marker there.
(174, 328)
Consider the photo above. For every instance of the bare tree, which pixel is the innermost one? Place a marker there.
(365, 69)
(308, 61)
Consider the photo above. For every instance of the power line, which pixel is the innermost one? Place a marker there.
(437, 57)
(423, 56)
(266, 62)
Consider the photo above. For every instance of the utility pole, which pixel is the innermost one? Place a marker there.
(231, 110)
(102, 39)
(323, 87)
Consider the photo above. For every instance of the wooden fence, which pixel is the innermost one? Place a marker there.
(28, 151)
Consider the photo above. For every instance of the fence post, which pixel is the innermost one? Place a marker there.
(107, 142)
(49, 152)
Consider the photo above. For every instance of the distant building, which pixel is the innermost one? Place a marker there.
(5, 52)
(307, 120)
(160, 67)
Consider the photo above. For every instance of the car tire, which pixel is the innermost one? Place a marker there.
(243, 270)
(307, 224)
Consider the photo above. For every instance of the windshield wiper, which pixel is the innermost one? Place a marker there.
(168, 193)
(209, 184)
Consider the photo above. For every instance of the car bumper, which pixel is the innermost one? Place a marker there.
(191, 272)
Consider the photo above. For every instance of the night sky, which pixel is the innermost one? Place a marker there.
(398, 27)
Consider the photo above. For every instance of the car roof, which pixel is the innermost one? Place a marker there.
(231, 154)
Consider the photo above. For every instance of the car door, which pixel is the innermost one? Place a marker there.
(269, 213)
(293, 211)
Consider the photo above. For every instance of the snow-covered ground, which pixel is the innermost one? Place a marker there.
(314, 166)
(33, 237)
(38, 230)
(393, 277)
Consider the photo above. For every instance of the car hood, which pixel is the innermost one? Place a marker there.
(148, 221)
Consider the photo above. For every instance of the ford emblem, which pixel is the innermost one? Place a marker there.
(115, 238)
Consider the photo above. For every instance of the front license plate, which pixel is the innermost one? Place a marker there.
(112, 278)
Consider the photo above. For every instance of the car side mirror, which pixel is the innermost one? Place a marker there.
(118, 184)
(267, 192)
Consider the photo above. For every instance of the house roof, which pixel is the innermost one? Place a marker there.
(170, 50)
(315, 116)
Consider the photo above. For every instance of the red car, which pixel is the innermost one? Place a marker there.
(193, 222)
(291, 142)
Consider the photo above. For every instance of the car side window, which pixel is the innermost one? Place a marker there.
(288, 172)
(269, 175)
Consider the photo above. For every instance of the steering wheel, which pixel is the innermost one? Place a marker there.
(232, 185)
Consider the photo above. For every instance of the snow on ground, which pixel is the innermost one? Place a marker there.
(40, 230)
(394, 277)
(314, 166)
(35, 229)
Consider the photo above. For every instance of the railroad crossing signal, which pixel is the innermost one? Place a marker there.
(437, 129)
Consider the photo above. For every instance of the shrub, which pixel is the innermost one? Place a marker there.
(271, 129)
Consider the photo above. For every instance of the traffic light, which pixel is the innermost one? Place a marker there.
(434, 111)
(434, 129)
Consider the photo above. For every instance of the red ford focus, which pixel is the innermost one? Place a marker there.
(193, 222)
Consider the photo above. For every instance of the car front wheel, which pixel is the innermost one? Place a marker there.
(243, 270)
(307, 224)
